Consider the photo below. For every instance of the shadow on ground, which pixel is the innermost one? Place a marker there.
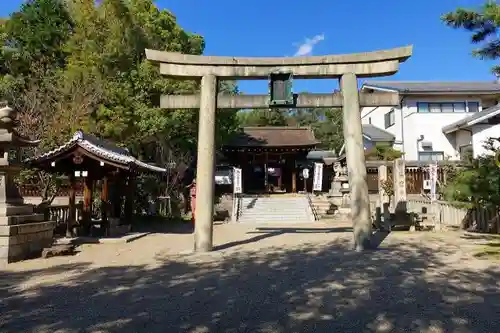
(314, 288)
(267, 232)
(177, 227)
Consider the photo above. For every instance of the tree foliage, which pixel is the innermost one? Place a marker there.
(80, 64)
(483, 24)
(478, 183)
(383, 152)
(69, 65)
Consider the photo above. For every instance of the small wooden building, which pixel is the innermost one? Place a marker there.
(90, 159)
(271, 158)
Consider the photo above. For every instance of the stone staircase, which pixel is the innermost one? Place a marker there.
(323, 208)
(272, 209)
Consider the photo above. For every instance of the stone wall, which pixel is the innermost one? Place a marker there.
(24, 240)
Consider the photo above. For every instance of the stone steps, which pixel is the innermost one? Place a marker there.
(288, 209)
(322, 206)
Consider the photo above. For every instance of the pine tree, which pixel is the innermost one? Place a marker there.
(484, 26)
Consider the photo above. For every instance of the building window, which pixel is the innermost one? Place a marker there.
(430, 156)
(435, 108)
(473, 106)
(390, 118)
(459, 107)
(445, 107)
(422, 107)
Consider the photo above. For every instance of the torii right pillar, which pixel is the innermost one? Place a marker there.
(356, 166)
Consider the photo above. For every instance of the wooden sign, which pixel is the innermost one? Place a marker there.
(237, 183)
(318, 177)
(433, 175)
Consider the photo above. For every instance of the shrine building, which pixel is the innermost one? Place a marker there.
(272, 158)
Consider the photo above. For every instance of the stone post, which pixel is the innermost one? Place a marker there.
(399, 176)
(383, 197)
(205, 168)
(355, 153)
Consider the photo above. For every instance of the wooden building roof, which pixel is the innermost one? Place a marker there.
(96, 149)
(274, 136)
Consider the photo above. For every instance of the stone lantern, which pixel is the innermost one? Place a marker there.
(23, 233)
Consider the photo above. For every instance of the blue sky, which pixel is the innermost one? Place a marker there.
(318, 27)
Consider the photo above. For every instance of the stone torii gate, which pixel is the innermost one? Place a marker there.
(348, 68)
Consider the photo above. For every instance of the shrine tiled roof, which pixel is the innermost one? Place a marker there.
(274, 136)
(98, 147)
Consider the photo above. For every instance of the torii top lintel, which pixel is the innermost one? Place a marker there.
(367, 64)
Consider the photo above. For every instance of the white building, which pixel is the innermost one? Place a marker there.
(437, 120)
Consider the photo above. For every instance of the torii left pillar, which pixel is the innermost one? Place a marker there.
(205, 167)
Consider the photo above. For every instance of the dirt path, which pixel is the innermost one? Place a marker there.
(288, 279)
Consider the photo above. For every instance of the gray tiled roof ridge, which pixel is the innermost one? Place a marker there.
(90, 143)
(435, 86)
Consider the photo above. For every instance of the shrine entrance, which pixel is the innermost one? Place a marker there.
(280, 72)
(271, 158)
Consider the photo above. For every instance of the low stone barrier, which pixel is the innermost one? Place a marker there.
(440, 213)
(23, 239)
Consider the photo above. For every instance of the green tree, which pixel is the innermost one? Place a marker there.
(483, 24)
(383, 152)
(31, 56)
(263, 117)
(477, 183)
(35, 33)
(68, 65)
(326, 124)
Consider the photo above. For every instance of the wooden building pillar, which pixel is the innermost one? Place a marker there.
(266, 176)
(87, 204)
(104, 202)
(280, 182)
(116, 195)
(129, 199)
(294, 180)
(72, 207)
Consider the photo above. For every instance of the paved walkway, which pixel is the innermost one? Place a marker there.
(289, 279)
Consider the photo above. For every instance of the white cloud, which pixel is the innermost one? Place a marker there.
(307, 47)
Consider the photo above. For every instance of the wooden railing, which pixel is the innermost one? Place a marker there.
(448, 214)
(60, 214)
(313, 208)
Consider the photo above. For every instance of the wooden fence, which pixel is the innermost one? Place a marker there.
(415, 177)
(449, 215)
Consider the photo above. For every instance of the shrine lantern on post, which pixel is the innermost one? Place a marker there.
(280, 90)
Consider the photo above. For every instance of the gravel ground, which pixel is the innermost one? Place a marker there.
(295, 278)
